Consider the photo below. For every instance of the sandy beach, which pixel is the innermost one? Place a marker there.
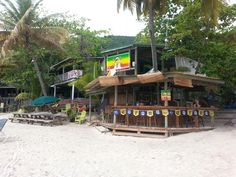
(81, 151)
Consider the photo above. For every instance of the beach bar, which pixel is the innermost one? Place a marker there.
(143, 103)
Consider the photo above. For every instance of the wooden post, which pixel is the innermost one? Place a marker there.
(115, 103)
(90, 108)
(136, 61)
(177, 121)
(158, 94)
(126, 103)
(73, 92)
(166, 104)
(55, 91)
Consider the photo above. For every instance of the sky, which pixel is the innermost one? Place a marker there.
(103, 14)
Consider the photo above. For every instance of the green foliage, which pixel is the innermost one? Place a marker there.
(118, 41)
(91, 71)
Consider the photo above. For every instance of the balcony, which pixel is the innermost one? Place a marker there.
(73, 74)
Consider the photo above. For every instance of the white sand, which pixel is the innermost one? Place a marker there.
(80, 151)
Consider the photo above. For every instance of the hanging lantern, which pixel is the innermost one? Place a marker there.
(206, 113)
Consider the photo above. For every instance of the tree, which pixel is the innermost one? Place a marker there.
(152, 8)
(29, 31)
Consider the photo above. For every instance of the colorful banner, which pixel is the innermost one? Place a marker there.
(135, 113)
(165, 95)
(177, 113)
(123, 112)
(149, 113)
(118, 62)
(164, 112)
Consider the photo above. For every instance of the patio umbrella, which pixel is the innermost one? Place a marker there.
(43, 100)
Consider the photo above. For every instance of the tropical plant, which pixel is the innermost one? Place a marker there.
(29, 31)
(151, 8)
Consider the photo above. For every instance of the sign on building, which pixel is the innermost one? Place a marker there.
(74, 74)
(118, 62)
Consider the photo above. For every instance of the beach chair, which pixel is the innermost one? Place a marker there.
(81, 118)
(2, 123)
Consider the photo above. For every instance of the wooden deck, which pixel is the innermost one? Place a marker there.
(153, 132)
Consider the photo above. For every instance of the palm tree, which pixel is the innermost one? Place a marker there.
(150, 8)
(22, 19)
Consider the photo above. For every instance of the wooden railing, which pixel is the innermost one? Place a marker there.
(154, 116)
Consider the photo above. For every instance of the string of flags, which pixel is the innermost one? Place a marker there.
(164, 112)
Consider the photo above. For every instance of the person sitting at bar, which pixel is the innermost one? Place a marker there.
(196, 103)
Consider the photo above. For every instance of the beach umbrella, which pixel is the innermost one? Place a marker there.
(43, 100)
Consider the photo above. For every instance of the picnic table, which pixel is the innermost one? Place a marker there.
(38, 117)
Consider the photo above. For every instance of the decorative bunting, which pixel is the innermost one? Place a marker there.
(206, 113)
(123, 112)
(135, 113)
(158, 112)
(129, 111)
(143, 113)
(116, 112)
(211, 113)
(195, 113)
(149, 113)
(183, 112)
(189, 112)
(177, 113)
(165, 112)
(201, 113)
(171, 112)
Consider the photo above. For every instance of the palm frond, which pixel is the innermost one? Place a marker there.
(16, 33)
(5, 21)
(13, 15)
(13, 7)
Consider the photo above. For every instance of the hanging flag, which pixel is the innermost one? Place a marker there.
(123, 112)
(165, 112)
(149, 113)
(183, 112)
(171, 112)
(129, 111)
(189, 112)
(211, 113)
(195, 113)
(116, 112)
(201, 113)
(135, 113)
(158, 112)
(143, 113)
(177, 113)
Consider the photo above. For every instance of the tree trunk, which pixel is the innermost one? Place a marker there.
(152, 38)
(39, 74)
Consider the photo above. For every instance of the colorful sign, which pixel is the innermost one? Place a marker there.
(118, 62)
(165, 95)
